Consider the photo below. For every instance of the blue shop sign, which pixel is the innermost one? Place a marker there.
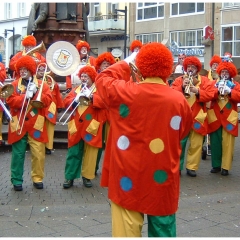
(112, 38)
(187, 51)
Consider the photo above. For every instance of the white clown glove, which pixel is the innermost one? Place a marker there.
(77, 98)
(29, 94)
(220, 86)
(86, 92)
(131, 58)
(227, 90)
(32, 87)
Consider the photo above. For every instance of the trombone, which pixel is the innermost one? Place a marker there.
(82, 101)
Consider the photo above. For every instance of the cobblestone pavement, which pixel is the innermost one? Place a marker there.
(209, 204)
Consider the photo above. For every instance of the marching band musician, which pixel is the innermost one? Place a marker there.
(84, 131)
(28, 42)
(83, 48)
(201, 91)
(3, 76)
(55, 107)
(103, 61)
(214, 62)
(135, 46)
(223, 118)
(141, 160)
(28, 128)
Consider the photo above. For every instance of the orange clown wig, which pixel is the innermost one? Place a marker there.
(81, 44)
(134, 44)
(227, 66)
(29, 40)
(90, 71)
(215, 59)
(155, 60)
(107, 56)
(26, 62)
(192, 61)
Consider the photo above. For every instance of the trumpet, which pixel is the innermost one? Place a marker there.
(187, 92)
(38, 103)
(83, 100)
(135, 72)
(221, 89)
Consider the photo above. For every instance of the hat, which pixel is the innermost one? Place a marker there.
(192, 61)
(90, 71)
(154, 60)
(134, 44)
(81, 44)
(106, 56)
(29, 40)
(27, 62)
(215, 59)
(227, 66)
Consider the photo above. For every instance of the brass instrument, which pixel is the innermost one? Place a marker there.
(6, 110)
(221, 90)
(6, 90)
(38, 103)
(187, 92)
(83, 100)
(215, 76)
(136, 74)
(38, 48)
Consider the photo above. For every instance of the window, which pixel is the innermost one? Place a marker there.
(186, 8)
(150, 10)
(153, 37)
(230, 41)
(21, 10)
(94, 9)
(231, 4)
(111, 7)
(8, 10)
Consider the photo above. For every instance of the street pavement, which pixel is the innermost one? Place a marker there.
(209, 204)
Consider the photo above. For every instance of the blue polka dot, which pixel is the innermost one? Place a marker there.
(229, 127)
(88, 137)
(50, 115)
(126, 184)
(197, 125)
(37, 134)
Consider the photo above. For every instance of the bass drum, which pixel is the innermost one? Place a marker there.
(62, 58)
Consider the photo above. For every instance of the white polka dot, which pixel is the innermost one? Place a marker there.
(123, 143)
(175, 122)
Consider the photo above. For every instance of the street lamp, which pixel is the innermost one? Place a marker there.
(13, 31)
(125, 27)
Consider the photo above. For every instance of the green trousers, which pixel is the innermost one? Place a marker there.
(182, 156)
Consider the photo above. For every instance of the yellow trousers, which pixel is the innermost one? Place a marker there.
(89, 161)
(50, 131)
(194, 152)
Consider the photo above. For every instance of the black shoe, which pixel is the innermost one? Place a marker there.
(67, 183)
(18, 187)
(2, 143)
(215, 170)
(224, 172)
(48, 151)
(38, 185)
(87, 182)
(191, 173)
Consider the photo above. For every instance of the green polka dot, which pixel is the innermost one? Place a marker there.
(123, 110)
(88, 117)
(160, 176)
(35, 111)
(228, 105)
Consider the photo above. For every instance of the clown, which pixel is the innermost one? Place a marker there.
(29, 128)
(135, 46)
(223, 118)
(178, 68)
(212, 74)
(141, 160)
(201, 92)
(28, 42)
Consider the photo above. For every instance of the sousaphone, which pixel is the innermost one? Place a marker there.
(62, 58)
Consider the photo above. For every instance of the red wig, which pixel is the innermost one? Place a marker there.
(227, 66)
(89, 70)
(154, 60)
(81, 44)
(29, 40)
(106, 56)
(215, 59)
(192, 61)
(27, 62)
(134, 44)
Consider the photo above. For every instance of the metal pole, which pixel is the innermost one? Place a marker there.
(125, 33)
(13, 40)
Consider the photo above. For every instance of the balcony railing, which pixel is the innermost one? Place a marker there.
(105, 22)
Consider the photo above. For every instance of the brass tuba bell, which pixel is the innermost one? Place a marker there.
(6, 90)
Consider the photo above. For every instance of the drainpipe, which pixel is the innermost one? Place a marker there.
(213, 16)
